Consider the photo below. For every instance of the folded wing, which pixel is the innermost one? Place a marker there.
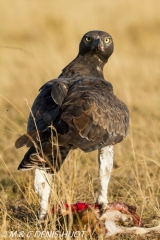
(84, 112)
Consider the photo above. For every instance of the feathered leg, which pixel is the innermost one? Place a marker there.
(42, 185)
(105, 158)
(42, 181)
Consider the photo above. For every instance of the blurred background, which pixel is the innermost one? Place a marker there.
(39, 38)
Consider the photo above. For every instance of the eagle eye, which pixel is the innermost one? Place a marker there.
(107, 40)
(88, 39)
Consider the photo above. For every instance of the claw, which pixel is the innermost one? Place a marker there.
(102, 208)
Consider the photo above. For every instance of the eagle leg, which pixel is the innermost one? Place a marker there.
(42, 185)
(105, 158)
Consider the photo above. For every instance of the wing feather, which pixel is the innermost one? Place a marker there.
(85, 113)
(96, 112)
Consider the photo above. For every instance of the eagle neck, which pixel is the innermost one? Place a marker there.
(84, 66)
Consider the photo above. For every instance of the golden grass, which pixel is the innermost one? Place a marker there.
(38, 39)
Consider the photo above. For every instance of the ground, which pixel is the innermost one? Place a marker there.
(38, 39)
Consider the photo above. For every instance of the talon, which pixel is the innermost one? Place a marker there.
(103, 207)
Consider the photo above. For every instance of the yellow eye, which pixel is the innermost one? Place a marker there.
(107, 40)
(88, 39)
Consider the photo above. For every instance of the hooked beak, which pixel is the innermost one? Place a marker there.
(97, 45)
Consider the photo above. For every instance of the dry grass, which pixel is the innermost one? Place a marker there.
(38, 38)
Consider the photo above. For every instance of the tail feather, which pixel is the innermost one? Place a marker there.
(49, 161)
(26, 139)
(25, 163)
(31, 138)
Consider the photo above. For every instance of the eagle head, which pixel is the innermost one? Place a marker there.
(97, 43)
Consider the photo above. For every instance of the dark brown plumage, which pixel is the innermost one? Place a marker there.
(79, 105)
